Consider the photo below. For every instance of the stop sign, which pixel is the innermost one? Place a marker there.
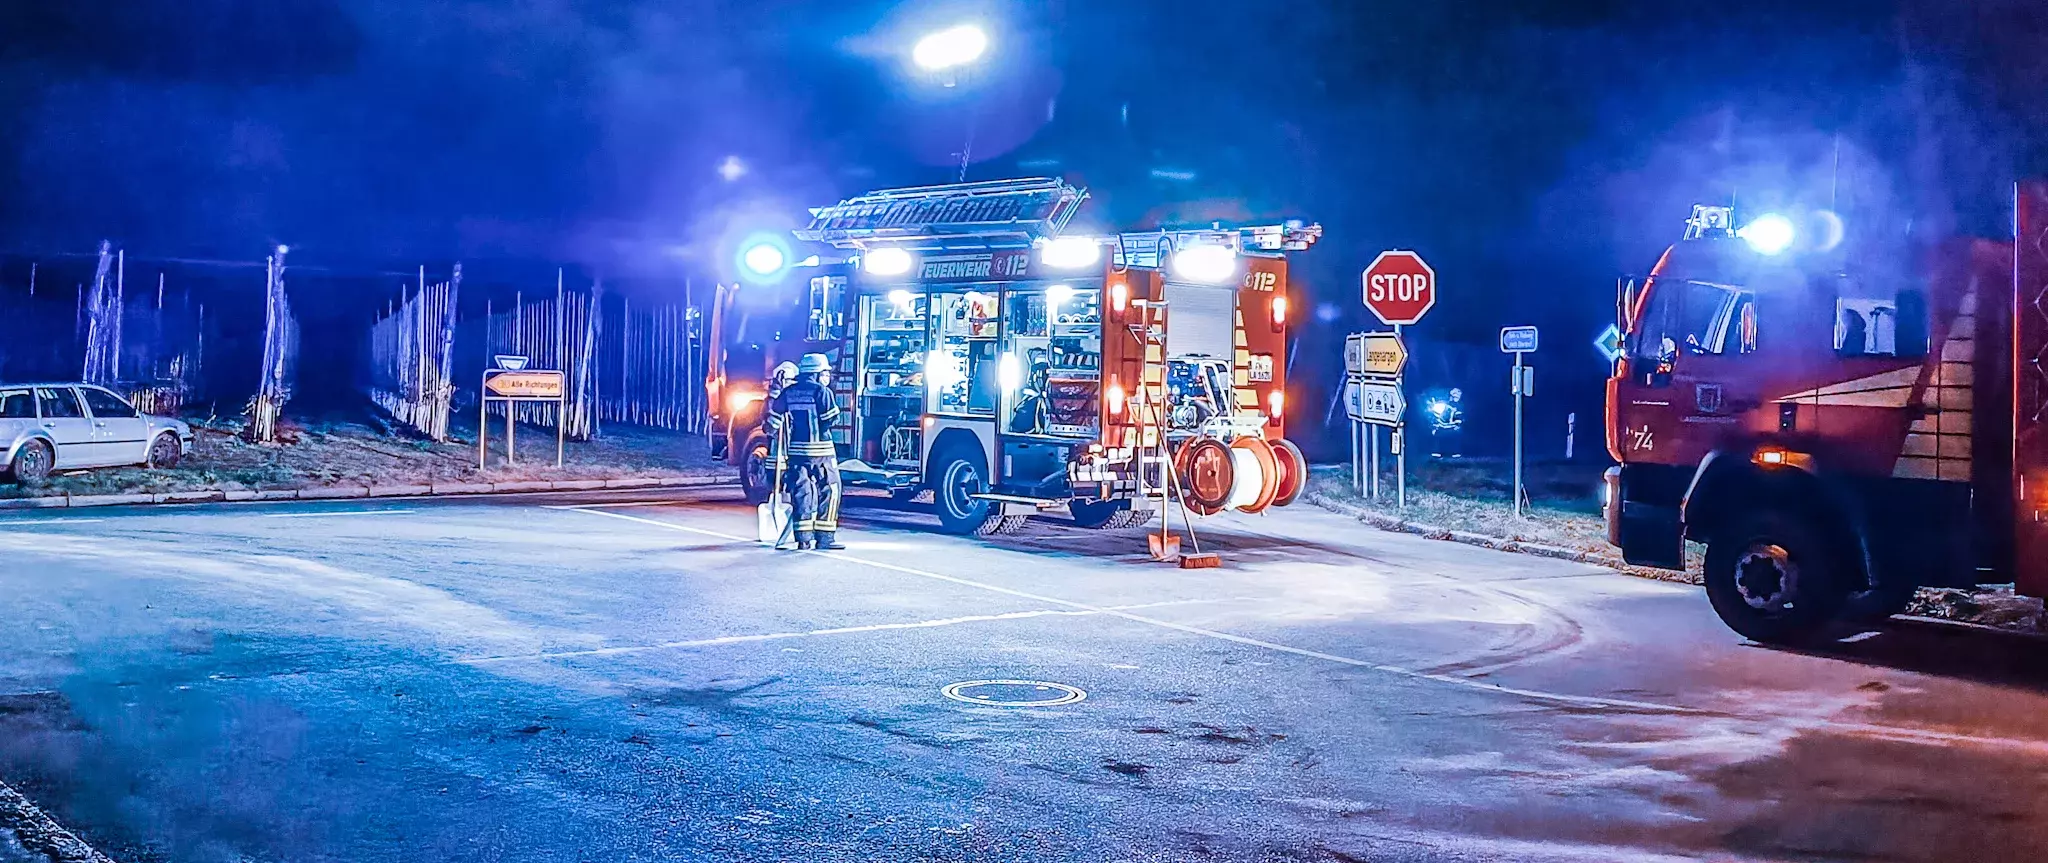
(1399, 287)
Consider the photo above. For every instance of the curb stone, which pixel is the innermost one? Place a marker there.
(440, 488)
(400, 490)
(38, 833)
(277, 494)
(52, 501)
(523, 486)
(578, 485)
(334, 492)
(641, 482)
(1497, 543)
(110, 499)
(190, 497)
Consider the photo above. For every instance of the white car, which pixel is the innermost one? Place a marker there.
(69, 426)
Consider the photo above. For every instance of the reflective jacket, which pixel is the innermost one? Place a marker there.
(805, 412)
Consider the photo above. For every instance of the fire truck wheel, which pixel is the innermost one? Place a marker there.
(1206, 475)
(1266, 477)
(1099, 514)
(757, 472)
(1773, 579)
(961, 476)
(1293, 472)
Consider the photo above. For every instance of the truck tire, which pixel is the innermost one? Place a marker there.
(961, 475)
(1293, 472)
(1774, 579)
(1099, 514)
(32, 463)
(757, 470)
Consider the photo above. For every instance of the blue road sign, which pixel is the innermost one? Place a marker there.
(1517, 340)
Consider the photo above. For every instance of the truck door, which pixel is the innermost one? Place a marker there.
(2030, 391)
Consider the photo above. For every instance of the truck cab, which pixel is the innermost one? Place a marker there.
(1836, 432)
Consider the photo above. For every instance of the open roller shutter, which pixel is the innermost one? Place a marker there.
(1201, 319)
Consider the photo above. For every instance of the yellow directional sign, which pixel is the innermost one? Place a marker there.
(524, 385)
(1376, 354)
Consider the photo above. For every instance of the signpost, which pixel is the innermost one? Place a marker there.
(1373, 363)
(513, 383)
(1519, 341)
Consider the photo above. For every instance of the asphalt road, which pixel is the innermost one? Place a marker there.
(613, 678)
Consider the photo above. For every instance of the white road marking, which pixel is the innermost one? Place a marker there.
(837, 630)
(337, 514)
(623, 503)
(14, 521)
(1553, 697)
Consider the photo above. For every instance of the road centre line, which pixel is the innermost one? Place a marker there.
(337, 514)
(837, 630)
(1553, 697)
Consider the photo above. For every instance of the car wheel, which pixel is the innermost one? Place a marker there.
(1774, 579)
(32, 463)
(164, 451)
(961, 476)
(757, 469)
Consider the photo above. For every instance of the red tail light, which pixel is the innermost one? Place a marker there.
(1279, 312)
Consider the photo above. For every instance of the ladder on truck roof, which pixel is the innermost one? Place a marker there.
(980, 215)
(1151, 248)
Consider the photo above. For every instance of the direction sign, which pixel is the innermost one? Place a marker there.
(1375, 402)
(1375, 354)
(1399, 287)
(1517, 340)
(524, 385)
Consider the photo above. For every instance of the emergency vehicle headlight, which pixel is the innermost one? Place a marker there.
(1213, 264)
(1070, 253)
(1113, 398)
(764, 259)
(1769, 234)
(886, 262)
(738, 401)
(1279, 311)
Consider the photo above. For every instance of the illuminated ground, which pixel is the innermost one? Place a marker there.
(619, 679)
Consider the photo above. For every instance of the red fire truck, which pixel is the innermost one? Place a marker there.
(985, 353)
(1835, 437)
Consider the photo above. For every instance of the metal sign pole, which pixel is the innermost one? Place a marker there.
(561, 408)
(1373, 468)
(511, 449)
(1400, 439)
(1518, 434)
(1357, 476)
(483, 421)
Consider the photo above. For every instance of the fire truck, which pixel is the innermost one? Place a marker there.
(1007, 365)
(1835, 437)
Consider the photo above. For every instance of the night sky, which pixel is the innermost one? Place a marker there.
(1532, 151)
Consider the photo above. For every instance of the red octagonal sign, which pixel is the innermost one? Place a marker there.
(1399, 287)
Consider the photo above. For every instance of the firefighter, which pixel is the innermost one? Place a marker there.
(781, 378)
(802, 416)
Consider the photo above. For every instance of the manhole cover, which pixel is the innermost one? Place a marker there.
(1013, 693)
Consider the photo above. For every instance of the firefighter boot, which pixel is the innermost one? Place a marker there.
(829, 541)
(804, 540)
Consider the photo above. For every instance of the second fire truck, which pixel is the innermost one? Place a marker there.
(1837, 436)
(988, 355)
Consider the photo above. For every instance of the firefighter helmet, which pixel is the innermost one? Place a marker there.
(813, 363)
(785, 372)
